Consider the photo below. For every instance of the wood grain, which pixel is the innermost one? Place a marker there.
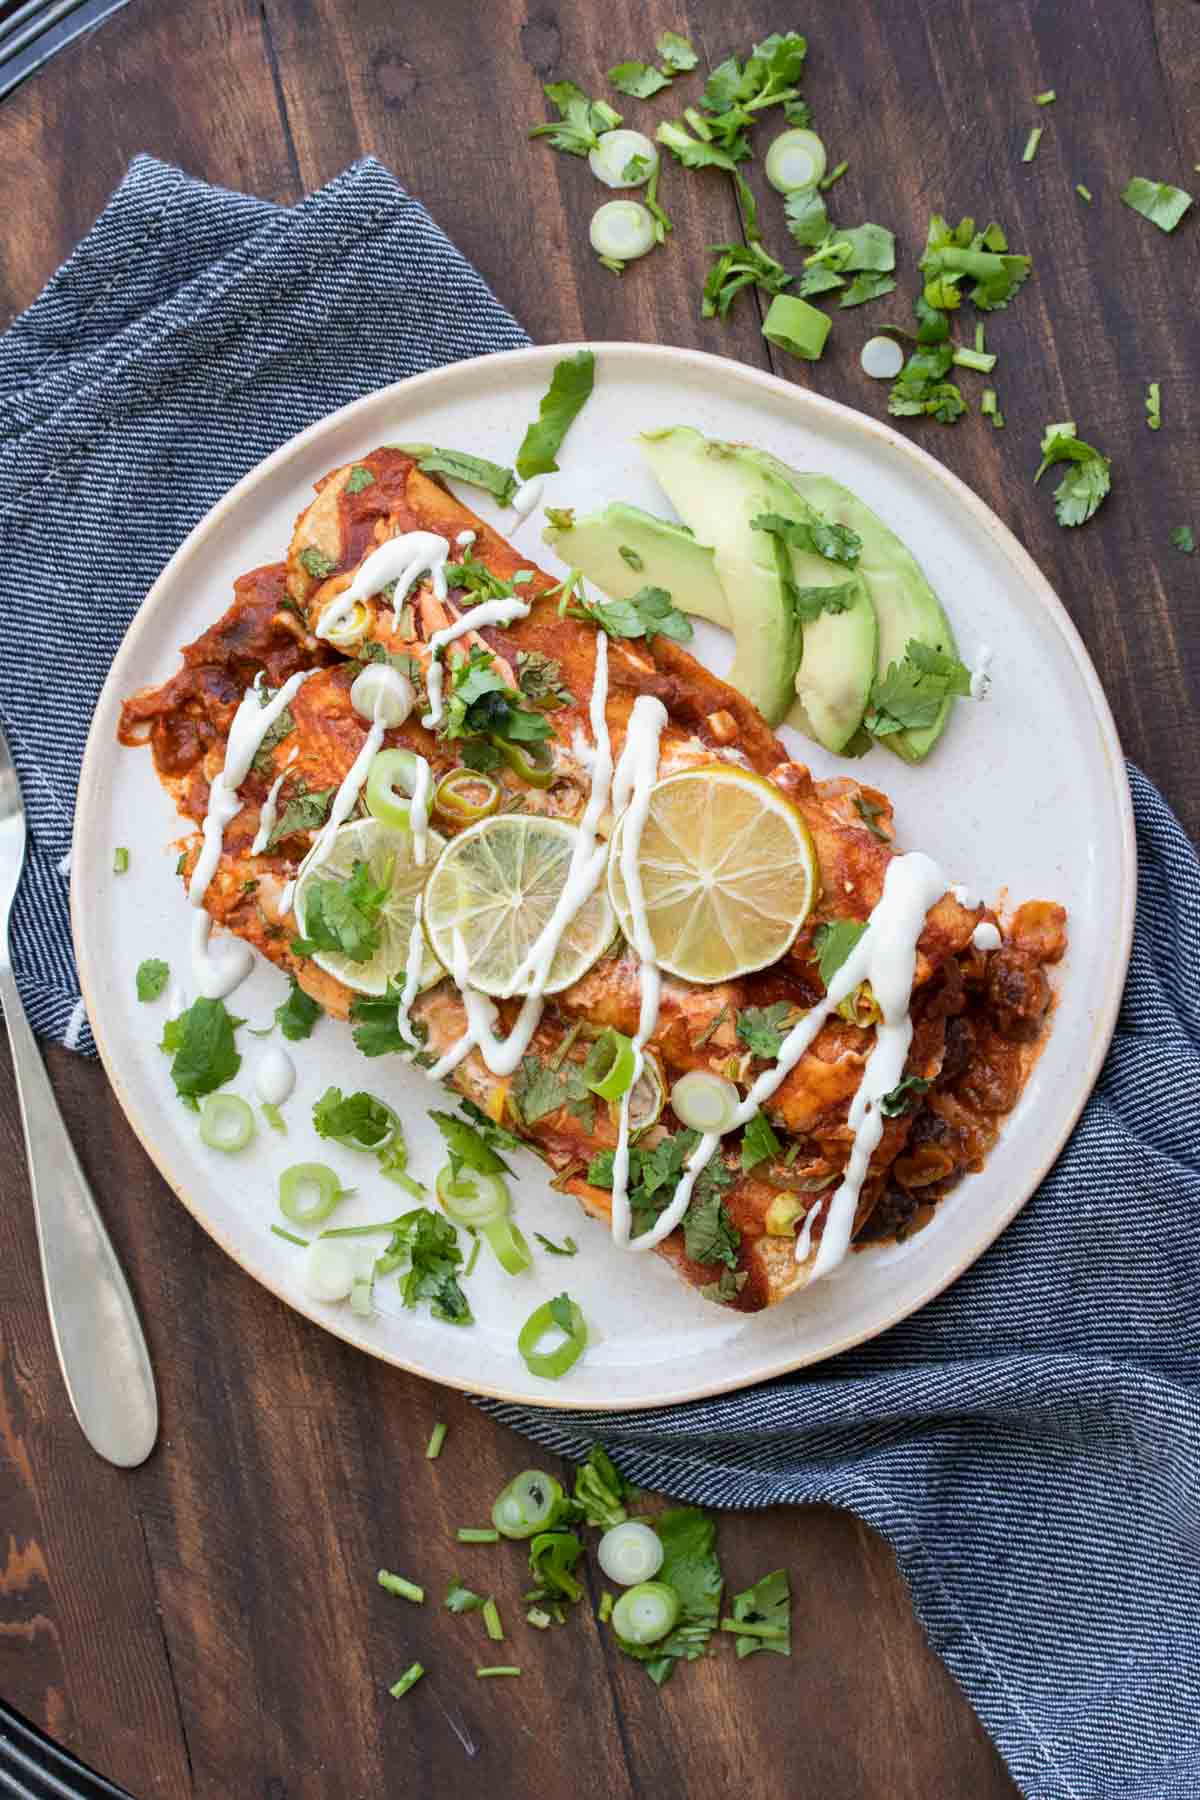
(209, 1625)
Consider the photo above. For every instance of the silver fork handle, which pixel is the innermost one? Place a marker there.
(97, 1333)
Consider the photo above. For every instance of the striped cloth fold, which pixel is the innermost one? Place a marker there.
(1030, 1441)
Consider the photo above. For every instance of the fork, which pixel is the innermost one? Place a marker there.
(96, 1330)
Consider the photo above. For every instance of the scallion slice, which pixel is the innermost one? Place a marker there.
(530, 1503)
(472, 1198)
(476, 1534)
(362, 1295)
(120, 861)
(509, 1243)
(646, 1613)
(409, 1679)
(795, 326)
(466, 795)
(881, 358)
(617, 152)
(491, 1620)
(508, 1670)
(308, 1193)
(630, 1553)
(704, 1101)
(561, 1314)
(437, 1438)
(795, 160)
(393, 773)
(329, 1270)
(226, 1122)
(381, 692)
(623, 230)
(396, 1584)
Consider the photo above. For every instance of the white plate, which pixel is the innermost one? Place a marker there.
(1026, 794)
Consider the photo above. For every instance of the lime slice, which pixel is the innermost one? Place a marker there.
(498, 883)
(728, 873)
(378, 845)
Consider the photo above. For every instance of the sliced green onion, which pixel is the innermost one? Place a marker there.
(795, 160)
(835, 174)
(622, 229)
(769, 1633)
(534, 763)
(980, 337)
(437, 1438)
(1031, 144)
(984, 361)
(410, 1678)
(392, 774)
(274, 1117)
(795, 326)
(1154, 406)
(530, 1503)
(329, 1270)
(881, 358)
(613, 153)
(396, 1584)
(989, 406)
(473, 1534)
(484, 1673)
(290, 1236)
(646, 1613)
(472, 1198)
(466, 795)
(704, 1101)
(120, 862)
(491, 1620)
(226, 1123)
(1045, 99)
(540, 1620)
(362, 1295)
(381, 693)
(606, 1607)
(649, 1094)
(1085, 193)
(552, 1364)
(610, 1066)
(308, 1193)
(630, 1553)
(473, 1258)
(510, 1245)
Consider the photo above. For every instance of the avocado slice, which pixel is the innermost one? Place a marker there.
(656, 554)
(905, 604)
(718, 489)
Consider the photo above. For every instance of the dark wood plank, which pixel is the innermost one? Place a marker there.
(209, 1624)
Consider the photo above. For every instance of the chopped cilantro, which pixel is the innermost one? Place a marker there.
(580, 120)
(904, 1096)
(375, 1022)
(767, 78)
(1184, 538)
(759, 1142)
(709, 1234)
(693, 152)
(343, 916)
(482, 704)
(538, 1090)
(833, 943)
(359, 1121)
(539, 678)
(738, 266)
(763, 1028)
(304, 812)
(870, 285)
(638, 79)
(726, 1288)
(675, 52)
(459, 465)
(316, 563)
(807, 219)
(869, 812)
(767, 1605)
(200, 1043)
(152, 977)
(911, 694)
(653, 1177)
(649, 613)
(264, 757)
(431, 1245)
(690, 1566)
(960, 253)
(570, 386)
(1086, 482)
(837, 543)
(1157, 201)
(360, 477)
(471, 1147)
(568, 1247)
(298, 1014)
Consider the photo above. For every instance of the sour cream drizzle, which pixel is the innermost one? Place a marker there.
(217, 973)
(527, 496)
(985, 936)
(274, 1076)
(270, 811)
(418, 811)
(489, 612)
(412, 977)
(404, 560)
(981, 679)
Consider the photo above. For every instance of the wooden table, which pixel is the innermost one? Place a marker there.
(209, 1624)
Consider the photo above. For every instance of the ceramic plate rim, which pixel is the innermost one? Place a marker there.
(721, 369)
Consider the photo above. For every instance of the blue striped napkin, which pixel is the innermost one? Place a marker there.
(1030, 1442)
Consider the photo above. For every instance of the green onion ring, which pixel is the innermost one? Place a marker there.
(471, 1198)
(530, 1503)
(392, 773)
(295, 1187)
(552, 1364)
(609, 1069)
(508, 1241)
(226, 1122)
(646, 1613)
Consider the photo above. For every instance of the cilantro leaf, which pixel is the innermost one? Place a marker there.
(375, 1021)
(738, 266)
(1087, 481)
(759, 1142)
(648, 613)
(675, 53)
(568, 1247)
(360, 477)
(726, 1288)
(698, 153)
(263, 761)
(768, 77)
(833, 943)
(960, 253)
(152, 977)
(638, 79)
(305, 811)
(709, 1234)
(200, 1043)
(460, 1599)
(1184, 538)
(539, 677)
(343, 916)
(580, 120)
(431, 1245)
(814, 534)
(911, 694)
(763, 1028)
(570, 386)
(691, 1567)
(1157, 201)
(903, 1096)
(316, 563)
(536, 1090)
(807, 219)
(869, 285)
(469, 1148)
(459, 465)
(869, 812)
(767, 1603)
(819, 280)
(359, 1121)
(601, 1490)
(298, 1014)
